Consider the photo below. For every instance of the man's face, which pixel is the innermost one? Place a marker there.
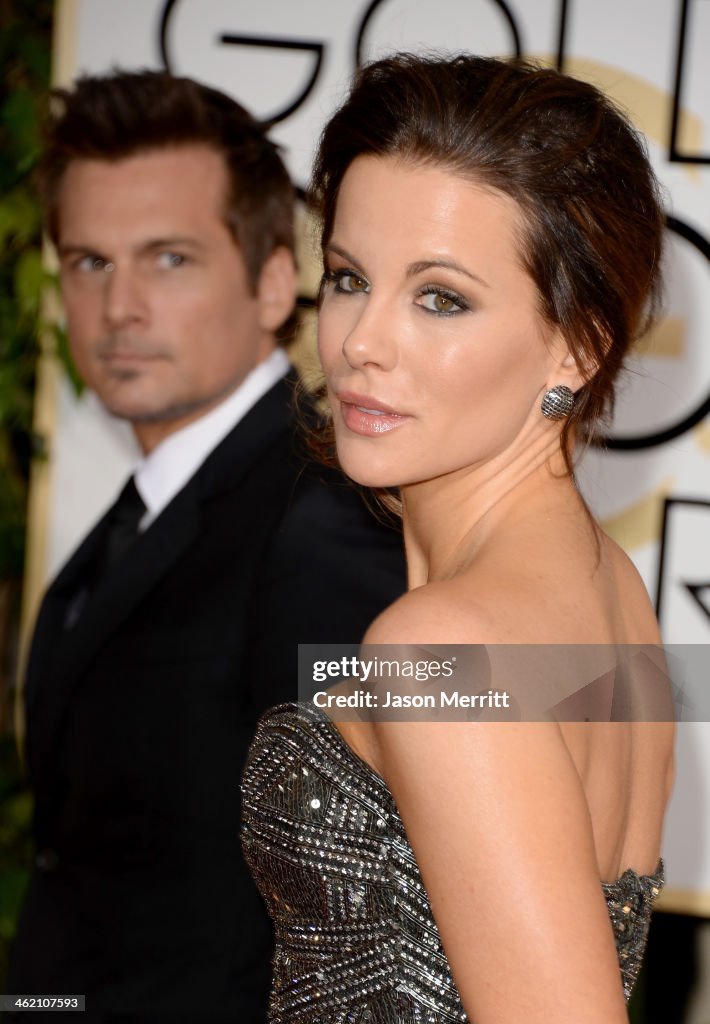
(161, 317)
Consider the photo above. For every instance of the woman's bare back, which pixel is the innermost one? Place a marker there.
(625, 768)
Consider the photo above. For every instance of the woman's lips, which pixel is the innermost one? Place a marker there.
(368, 416)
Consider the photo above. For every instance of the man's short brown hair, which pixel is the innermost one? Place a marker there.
(109, 117)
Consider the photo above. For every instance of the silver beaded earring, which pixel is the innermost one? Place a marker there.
(558, 402)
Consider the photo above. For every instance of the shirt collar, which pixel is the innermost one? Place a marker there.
(165, 470)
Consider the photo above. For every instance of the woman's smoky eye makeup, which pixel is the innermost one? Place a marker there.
(442, 301)
(345, 281)
(435, 299)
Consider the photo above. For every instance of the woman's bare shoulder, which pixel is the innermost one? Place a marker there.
(487, 605)
(437, 613)
(627, 596)
(506, 598)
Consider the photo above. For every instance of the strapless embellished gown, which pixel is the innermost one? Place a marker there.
(355, 937)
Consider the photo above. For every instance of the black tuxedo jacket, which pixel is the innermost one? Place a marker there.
(140, 714)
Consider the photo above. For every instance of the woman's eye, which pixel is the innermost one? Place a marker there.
(441, 302)
(348, 282)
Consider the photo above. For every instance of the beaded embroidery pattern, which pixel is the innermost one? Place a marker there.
(356, 941)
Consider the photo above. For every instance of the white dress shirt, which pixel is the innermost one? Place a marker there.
(165, 470)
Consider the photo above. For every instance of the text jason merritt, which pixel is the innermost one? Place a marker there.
(454, 699)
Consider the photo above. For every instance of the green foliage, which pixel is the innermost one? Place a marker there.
(25, 41)
(24, 53)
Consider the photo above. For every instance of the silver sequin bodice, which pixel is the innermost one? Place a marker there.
(355, 938)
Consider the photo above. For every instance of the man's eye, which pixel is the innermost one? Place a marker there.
(444, 303)
(89, 264)
(168, 260)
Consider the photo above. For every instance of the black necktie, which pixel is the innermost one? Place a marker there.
(122, 527)
(121, 532)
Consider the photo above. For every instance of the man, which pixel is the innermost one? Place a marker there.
(175, 624)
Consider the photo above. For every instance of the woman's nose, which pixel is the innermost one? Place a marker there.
(371, 340)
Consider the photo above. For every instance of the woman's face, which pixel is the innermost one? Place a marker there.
(435, 354)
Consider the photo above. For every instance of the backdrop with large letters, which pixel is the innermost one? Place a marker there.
(290, 62)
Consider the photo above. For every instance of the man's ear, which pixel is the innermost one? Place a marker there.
(276, 290)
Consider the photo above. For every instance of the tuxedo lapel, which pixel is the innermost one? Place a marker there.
(60, 654)
(264, 425)
(49, 627)
(129, 582)
(106, 608)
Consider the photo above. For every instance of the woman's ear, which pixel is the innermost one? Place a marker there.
(571, 374)
(566, 368)
(276, 290)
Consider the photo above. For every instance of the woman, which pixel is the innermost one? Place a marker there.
(491, 238)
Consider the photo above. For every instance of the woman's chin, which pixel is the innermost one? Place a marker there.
(369, 475)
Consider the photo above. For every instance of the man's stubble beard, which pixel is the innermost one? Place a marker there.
(155, 414)
(131, 345)
(172, 411)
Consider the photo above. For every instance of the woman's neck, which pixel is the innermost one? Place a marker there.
(448, 520)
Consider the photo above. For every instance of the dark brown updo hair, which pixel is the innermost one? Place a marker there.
(577, 168)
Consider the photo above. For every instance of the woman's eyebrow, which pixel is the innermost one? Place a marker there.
(414, 268)
(339, 251)
(421, 265)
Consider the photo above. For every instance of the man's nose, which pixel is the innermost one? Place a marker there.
(125, 300)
